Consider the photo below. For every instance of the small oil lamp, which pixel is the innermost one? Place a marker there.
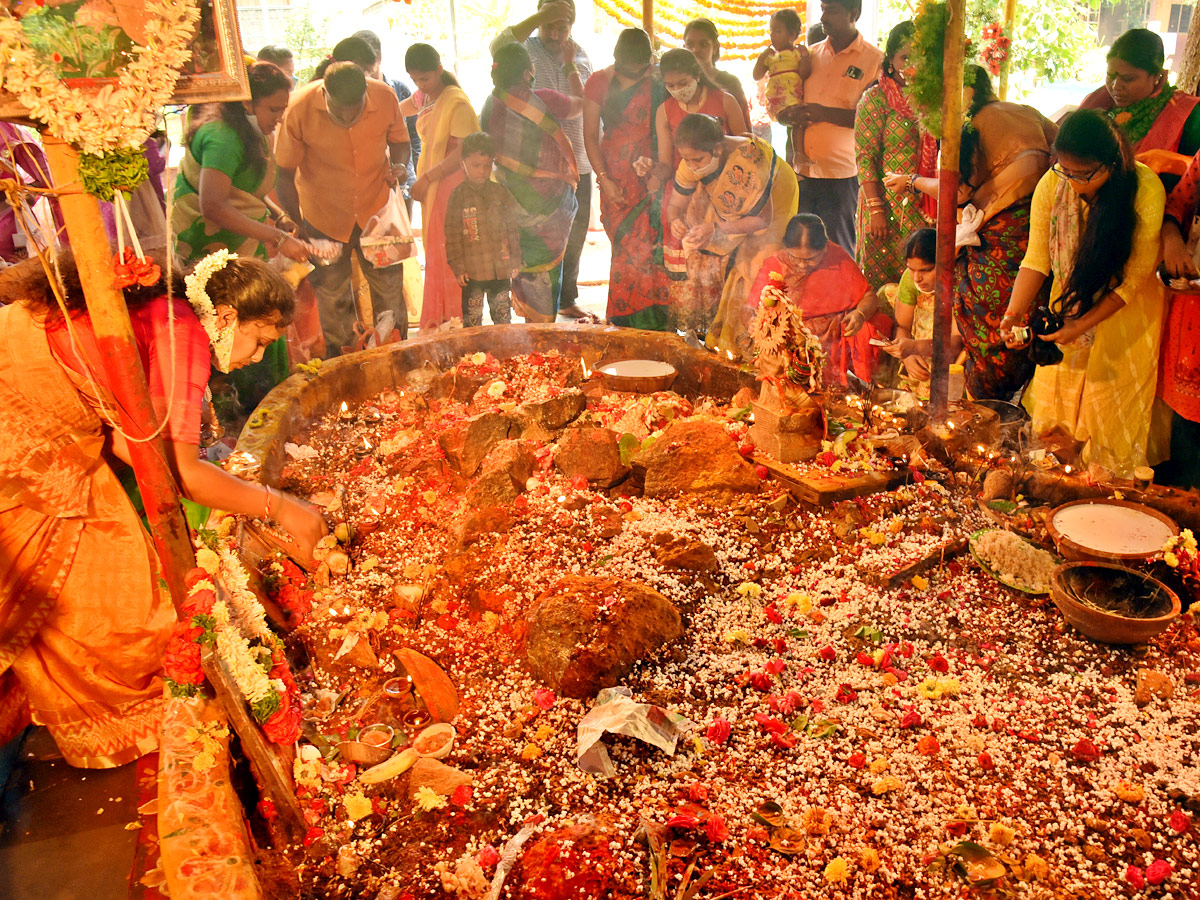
(364, 450)
(344, 413)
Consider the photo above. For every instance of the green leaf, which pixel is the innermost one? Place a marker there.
(824, 729)
(265, 708)
(628, 445)
(603, 560)
(1005, 506)
(869, 633)
(797, 633)
(741, 413)
(800, 723)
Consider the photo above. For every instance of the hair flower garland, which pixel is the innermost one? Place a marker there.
(220, 339)
(120, 114)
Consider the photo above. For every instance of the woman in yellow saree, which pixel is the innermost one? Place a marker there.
(751, 195)
(444, 117)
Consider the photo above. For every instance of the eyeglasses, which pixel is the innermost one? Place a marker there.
(1058, 170)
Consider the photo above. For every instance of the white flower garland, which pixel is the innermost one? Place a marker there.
(116, 116)
(235, 652)
(244, 609)
(220, 339)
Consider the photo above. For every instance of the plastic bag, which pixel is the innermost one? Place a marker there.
(387, 238)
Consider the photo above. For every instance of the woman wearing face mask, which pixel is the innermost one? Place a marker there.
(444, 117)
(696, 279)
(751, 195)
(1150, 112)
(534, 160)
(624, 99)
(889, 138)
(1094, 230)
(701, 37)
(82, 608)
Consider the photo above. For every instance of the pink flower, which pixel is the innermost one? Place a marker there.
(912, 719)
(1180, 821)
(543, 697)
(685, 821)
(487, 856)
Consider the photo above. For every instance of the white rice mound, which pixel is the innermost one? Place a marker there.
(1016, 561)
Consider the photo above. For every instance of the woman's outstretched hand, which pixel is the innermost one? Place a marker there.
(303, 522)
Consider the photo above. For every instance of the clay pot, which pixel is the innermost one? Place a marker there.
(1109, 628)
(638, 376)
(1073, 550)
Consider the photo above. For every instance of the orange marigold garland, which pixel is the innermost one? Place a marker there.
(994, 52)
(744, 25)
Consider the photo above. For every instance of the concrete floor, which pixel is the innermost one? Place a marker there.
(63, 830)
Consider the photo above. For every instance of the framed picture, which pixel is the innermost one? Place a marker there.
(90, 40)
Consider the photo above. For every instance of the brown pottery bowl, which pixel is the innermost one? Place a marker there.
(1107, 627)
(638, 376)
(1071, 549)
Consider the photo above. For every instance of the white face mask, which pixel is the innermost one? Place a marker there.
(685, 94)
(707, 169)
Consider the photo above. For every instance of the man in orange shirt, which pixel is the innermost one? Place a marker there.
(341, 146)
(844, 65)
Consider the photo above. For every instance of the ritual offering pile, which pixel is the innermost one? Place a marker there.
(570, 642)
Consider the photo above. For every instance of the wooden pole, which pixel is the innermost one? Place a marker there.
(114, 338)
(1010, 19)
(952, 116)
(648, 19)
(1187, 77)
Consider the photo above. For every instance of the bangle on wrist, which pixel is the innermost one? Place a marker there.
(912, 183)
(267, 504)
(283, 236)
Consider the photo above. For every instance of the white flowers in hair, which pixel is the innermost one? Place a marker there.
(221, 339)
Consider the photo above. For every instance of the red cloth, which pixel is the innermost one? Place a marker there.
(1100, 98)
(1179, 359)
(189, 370)
(1167, 129)
(824, 297)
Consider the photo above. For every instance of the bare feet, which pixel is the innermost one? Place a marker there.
(574, 311)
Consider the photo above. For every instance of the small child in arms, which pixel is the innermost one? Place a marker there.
(483, 246)
(786, 63)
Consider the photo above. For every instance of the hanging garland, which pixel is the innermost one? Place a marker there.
(744, 25)
(118, 115)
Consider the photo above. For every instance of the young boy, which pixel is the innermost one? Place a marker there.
(483, 246)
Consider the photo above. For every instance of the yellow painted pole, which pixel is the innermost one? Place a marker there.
(648, 19)
(1010, 18)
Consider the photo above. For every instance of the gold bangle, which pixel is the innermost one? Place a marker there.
(267, 514)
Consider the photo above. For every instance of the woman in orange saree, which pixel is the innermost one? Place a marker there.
(84, 615)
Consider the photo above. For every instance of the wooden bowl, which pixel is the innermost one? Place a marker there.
(638, 376)
(1070, 547)
(1107, 627)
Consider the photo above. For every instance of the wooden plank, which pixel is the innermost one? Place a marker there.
(819, 490)
(271, 765)
(938, 555)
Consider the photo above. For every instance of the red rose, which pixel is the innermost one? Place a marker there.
(762, 472)
(865, 659)
(543, 697)
(716, 829)
(846, 694)
(719, 731)
(199, 603)
(447, 621)
(856, 761)
(957, 828)
(760, 681)
(817, 706)
(770, 723)
(1085, 751)
(1133, 876)
(985, 761)
(284, 726)
(181, 662)
(267, 810)
(773, 615)
(1158, 871)
(461, 795)
(487, 856)
(1180, 821)
(780, 646)
(195, 575)
(938, 664)
(912, 719)
(980, 721)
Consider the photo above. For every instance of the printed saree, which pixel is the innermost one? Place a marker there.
(637, 286)
(534, 160)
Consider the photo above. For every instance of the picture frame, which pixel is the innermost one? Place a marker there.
(95, 35)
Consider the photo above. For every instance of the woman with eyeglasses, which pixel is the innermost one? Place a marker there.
(624, 99)
(1005, 150)
(1094, 232)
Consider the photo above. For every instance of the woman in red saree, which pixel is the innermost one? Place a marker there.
(624, 99)
(84, 619)
(444, 118)
(833, 296)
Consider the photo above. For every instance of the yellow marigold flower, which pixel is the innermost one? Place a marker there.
(920, 582)
(737, 636)
(749, 589)
(357, 805)
(886, 785)
(428, 799)
(1171, 560)
(868, 859)
(531, 751)
(837, 870)
(1001, 834)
